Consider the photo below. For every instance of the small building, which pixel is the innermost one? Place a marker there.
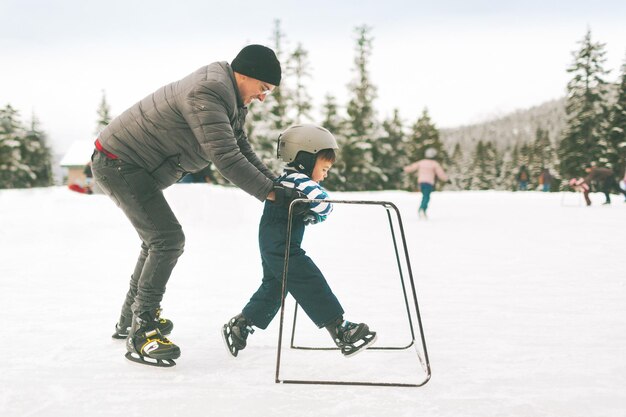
(74, 161)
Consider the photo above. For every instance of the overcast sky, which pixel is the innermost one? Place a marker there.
(464, 60)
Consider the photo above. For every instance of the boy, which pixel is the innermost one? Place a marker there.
(309, 151)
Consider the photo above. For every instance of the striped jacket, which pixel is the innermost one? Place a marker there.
(318, 211)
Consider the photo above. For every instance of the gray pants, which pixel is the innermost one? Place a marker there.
(138, 195)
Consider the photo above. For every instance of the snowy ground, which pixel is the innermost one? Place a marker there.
(523, 300)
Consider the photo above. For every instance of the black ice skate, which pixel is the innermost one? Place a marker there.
(350, 337)
(147, 346)
(235, 333)
(122, 328)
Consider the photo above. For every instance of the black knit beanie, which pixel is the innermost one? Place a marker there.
(258, 61)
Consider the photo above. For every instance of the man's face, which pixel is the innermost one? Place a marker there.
(251, 89)
(320, 170)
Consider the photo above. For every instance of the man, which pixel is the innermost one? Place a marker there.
(179, 129)
(604, 180)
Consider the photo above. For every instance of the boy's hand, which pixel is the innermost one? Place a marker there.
(312, 218)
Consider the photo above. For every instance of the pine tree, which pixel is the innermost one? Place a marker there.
(583, 142)
(484, 170)
(424, 135)
(617, 126)
(542, 155)
(299, 69)
(360, 171)
(457, 170)
(279, 99)
(269, 118)
(508, 170)
(10, 155)
(104, 114)
(24, 157)
(389, 153)
(37, 155)
(332, 121)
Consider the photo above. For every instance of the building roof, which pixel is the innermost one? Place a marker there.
(78, 154)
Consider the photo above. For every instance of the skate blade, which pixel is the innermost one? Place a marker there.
(144, 360)
(368, 343)
(229, 347)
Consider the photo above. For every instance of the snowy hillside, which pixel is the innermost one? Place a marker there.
(522, 295)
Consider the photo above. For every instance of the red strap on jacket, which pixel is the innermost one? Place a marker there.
(104, 151)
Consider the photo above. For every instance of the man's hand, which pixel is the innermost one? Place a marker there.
(283, 196)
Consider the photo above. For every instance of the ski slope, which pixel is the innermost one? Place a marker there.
(522, 295)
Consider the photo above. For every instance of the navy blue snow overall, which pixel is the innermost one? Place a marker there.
(305, 281)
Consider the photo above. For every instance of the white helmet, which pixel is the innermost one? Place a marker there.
(307, 138)
(430, 153)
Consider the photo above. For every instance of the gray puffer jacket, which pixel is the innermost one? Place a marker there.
(184, 125)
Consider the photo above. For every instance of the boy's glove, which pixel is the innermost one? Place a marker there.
(285, 195)
(312, 218)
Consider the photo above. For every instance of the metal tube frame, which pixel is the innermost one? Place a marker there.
(424, 362)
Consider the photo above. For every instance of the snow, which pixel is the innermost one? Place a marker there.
(522, 295)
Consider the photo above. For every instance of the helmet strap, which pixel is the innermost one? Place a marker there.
(304, 163)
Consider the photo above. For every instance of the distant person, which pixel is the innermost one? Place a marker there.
(580, 185)
(522, 178)
(309, 151)
(545, 179)
(428, 171)
(605, 181)
(88, 178)
(178, 129)
(622, 184)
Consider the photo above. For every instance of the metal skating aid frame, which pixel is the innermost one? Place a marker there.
(423, 361)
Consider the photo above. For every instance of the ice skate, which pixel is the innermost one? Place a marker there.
(350, 337)
(147, 346)
(421, 214)
(122, 328)
(235, 334)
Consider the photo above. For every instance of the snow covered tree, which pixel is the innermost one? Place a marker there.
(360, 170)
(542, 150)
(542, 155)
(10, 154)
(508, 171)
(389, 152)
(617, 126)
(484, 170)
(457, 170)
(24, 157)
(104, 114)
(424, 135)
(37, 155)
(299, 69)
(268, 119)
(332, 121)
(583, 142)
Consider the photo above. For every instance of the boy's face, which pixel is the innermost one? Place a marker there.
(320, 170)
